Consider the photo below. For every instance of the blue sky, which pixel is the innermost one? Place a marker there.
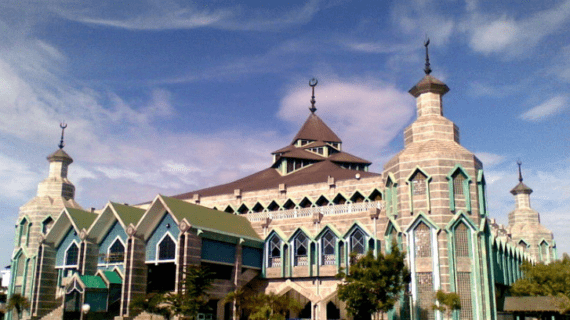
(170, 96)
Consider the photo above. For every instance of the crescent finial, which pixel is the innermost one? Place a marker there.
(313, 83)
(62, 125)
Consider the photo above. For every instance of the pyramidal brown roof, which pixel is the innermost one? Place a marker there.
(316, 129)
(270, 178)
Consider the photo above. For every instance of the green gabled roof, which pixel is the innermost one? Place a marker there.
(93, 282)
(210, 219)
(128, 214)
(81, 219)
(113, 277)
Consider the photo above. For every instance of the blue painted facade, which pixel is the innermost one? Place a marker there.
(252, 257)
(64, 244)
(217, 251)
(115, 231)
(166, 225)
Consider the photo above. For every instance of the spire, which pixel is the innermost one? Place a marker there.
(427, 69)
(519, 163)
(313, 83)
(521, 188)
(62, 125)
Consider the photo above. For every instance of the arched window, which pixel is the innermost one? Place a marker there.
(46, 225)
(167, 248)
(327, 247)
(419, 183)
(301, 250)
(116, 252)
(422, 236)
(72, 255)
(23, 232)
(461, 241)
(458, 182)
(274, 252)
(357, 241)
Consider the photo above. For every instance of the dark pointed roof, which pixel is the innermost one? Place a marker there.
(60, 155)
(429, 84)
(521, 188)
(315, 129)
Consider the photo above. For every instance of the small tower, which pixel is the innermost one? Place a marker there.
(36, 218)
(525, 227)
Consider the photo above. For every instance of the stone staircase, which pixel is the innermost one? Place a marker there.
(148, 316)
(55, 314)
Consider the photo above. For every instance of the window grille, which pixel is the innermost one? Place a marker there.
(328, 244)
(116, 252)
(424, 283)
(274, 252)
(301, 245)
(419, 183)
(167, 249)
(357, 242)
(46, 225)
(72, 255)
(461, 241)
(458, 182)
(464, 291)
(422, 240)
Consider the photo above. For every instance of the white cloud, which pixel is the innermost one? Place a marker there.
(18, 179)
(490, 34)
(546, 109)
(490, 159)
(354, 109)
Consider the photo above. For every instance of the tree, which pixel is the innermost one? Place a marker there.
(194, 295)
(151, 304)
(447, 303)
(270, 306)
(238, 298)
(551, 279)
(19, 303)
(374, 284)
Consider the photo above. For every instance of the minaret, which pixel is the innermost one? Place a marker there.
(37, 216)
(57, 184)
(525, 227)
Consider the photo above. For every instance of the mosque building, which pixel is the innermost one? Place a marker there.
(287, 229)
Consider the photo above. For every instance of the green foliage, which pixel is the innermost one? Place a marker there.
(193, 297)
(551, 279)
(447, 302)
(17, 302)
(150, 303)
(374, 284)
(263, 306)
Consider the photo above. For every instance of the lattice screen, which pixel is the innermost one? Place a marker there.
(419, 183)
(461, 241)
(424, 285)
(464, 291)
(422, 238)
(458, 184)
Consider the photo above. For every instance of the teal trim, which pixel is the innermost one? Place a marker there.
(167, 224)
(391, 195)
(482, 191)
(423, 217)
(70, 237)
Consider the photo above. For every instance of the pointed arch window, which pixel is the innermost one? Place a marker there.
(328, 242)
(23, 232)
(274, 252)
(72, 255)
(301, 250)
(357, 242)
(459, 189)
(46, 225)
(462, 240)
(419, 183)
(166, 248)
(116, 252)
(339, 199)
(458, 182)
(322, 201)
(305, 203)
(422, 240)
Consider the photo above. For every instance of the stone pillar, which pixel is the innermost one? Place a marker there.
(135, 281)
(44, 297)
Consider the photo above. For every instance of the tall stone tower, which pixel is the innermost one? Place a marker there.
(37, 216)
(434, 192)
(525, 227)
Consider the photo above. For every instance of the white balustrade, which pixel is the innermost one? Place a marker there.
(307, 212)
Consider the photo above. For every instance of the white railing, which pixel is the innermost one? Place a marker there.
(329, 210)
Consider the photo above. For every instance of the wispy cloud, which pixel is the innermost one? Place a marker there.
(173, 15)
(354, 109)
(505, 34)
(490, 159)
(547, 109)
